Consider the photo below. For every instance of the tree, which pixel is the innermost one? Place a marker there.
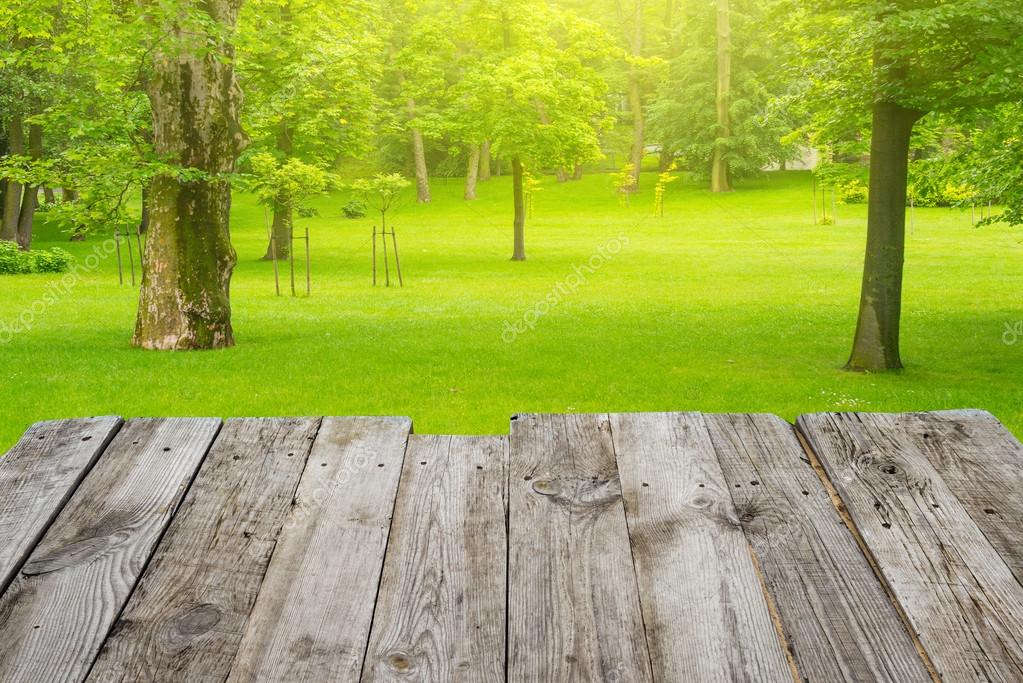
(184, 302)
(309, 69)
(715, 109)
(720, 179)
(546, 94)
(901, 60)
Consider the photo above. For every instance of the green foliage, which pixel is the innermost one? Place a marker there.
(853, 191)
(13, 261)
(380, 191)
(683, 115)
(622, 182)
(354, 208)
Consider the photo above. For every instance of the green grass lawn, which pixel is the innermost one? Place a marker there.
(728, 303)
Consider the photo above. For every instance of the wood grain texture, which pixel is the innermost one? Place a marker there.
(312, 617)
(839, 623)
(186, 618)
(440, 615)
(38, 476)
(958, 593)
(982, 463)
(704, 608)
(59, 609)
(573, 602)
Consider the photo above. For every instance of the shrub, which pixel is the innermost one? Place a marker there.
(14, 261)
(354, 209)
(55, 260)
(852, 192)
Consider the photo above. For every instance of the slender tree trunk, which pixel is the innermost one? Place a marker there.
(636, 101)
(185, 298)
(419, 158)
(519, 253)
(12, 196)
(484, 174)
(30, 200)
(283, 212)
(49, 195)
(577, 174)
(876, 345)
(472, 172)
(666, 157)
(720, 177)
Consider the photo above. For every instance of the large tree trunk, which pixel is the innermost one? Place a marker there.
(484, 172)
(472, 172)
(577, 173)
(561, 173)
(12, 195)
(185, 298)
(419, 159)
(49, 195)
(720, 178)
(30, 200)
(636, 101)
(876, 346)
(519, 253)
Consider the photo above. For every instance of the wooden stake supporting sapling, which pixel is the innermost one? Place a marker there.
(381, 191)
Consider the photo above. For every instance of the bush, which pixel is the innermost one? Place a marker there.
(55, 260)
(14, 261)
(852, 192)
(354, 209)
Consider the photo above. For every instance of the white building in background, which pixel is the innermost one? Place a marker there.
(805, 161)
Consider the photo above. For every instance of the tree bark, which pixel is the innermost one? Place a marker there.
(519, 252)
(636, 102)
(720, 177)
(876, 345)
(12, 195)
(184, 302)
(472, 172)
(30, 200)
(484, 172)
(561, 174)
(49, 195)
(577, 174)
(419, 159)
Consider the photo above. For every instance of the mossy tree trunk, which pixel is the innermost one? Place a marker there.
(519, 224)
(876, 345)
(13, 191)
(419, 159)
(720, 176)
(185, 298)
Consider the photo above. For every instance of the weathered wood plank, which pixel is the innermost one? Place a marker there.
(38, 476)
(185, 620)
(704, 608)
(982, 463)
(440, 614)
(312, 617)
(960, 596)
(839, 623)
(60, 607)
(573, 602)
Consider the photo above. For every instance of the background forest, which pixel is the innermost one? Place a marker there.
(725, 159)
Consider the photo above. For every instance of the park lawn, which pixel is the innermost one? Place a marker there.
(727, 303)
